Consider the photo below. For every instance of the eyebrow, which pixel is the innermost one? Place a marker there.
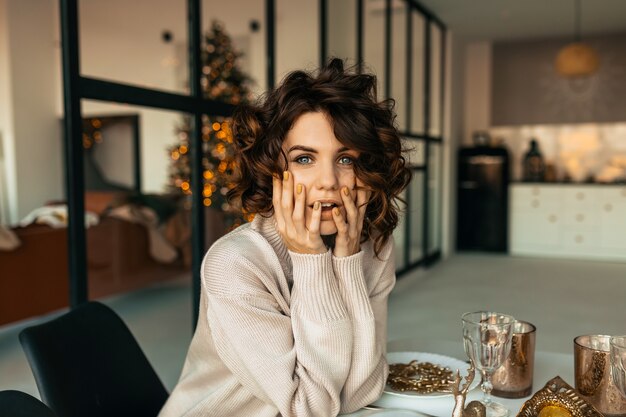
(311, 150)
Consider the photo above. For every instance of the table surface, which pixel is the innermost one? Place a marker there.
(547, 366)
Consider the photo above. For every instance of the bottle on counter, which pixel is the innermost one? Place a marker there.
(481, 138)
(534, 169)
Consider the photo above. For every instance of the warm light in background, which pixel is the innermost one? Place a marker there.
(577, 60)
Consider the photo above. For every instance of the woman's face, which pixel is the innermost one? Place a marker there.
(321, 163)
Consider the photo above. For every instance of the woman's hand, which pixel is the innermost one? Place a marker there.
(290, 217)
(348, 240)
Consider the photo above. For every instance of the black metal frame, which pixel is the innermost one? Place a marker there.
(77, 87)
(430, 19)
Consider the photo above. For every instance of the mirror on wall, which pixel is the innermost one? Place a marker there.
(111, 153)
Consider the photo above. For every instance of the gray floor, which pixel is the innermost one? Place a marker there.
(563, 298)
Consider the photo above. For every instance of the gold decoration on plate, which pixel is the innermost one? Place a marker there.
(554, 411)
(557, 399)
(420, 377)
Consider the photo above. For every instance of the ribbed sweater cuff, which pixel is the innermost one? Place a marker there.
(349, 272)
(315, 286)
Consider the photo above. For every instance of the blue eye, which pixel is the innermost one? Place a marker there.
(304, 160)
(346, 160)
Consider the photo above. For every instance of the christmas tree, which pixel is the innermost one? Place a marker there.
(221, 80)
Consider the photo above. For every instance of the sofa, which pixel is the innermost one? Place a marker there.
(34, 277)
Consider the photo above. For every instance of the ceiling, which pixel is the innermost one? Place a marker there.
(527, 19)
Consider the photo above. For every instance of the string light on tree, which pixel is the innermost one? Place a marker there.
(221, 80)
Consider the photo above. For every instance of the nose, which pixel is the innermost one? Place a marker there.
(327, 178)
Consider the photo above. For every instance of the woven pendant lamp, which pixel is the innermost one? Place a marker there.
(577, 59)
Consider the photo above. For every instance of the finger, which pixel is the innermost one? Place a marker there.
(316, 219)
(287, 201)
(350, 208)
(363, 197)
(277, 191)
(342, 226)
(299, 209)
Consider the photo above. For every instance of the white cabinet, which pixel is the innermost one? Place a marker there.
(579, 221)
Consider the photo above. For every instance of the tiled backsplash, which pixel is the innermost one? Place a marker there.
(577, 151)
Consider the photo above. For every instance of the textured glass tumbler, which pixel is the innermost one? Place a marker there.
(618, 362)
(514, 379)
(592, 372)
(487, 341)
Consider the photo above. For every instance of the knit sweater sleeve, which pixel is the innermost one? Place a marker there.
(365, 296)
(297, 362)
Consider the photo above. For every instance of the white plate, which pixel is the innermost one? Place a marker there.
(439, 404)
(393, 413)
(440, 360)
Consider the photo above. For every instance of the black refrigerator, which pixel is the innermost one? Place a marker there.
(482, 199)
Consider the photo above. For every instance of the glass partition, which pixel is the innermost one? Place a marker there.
(398, 61)
(399, 235)
(135, 191)
(416, 211)
(341, 29)
(121, 42)
(243, 22)
(297, 38)
(415, 69)
(417, 74)
(374, 43)
(435, 128)
(435, 185)
(415, 152)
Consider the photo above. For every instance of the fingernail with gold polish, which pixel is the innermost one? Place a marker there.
(299, 189)
(336, 211)
(346, 191)
(286, 175)
(316, 205)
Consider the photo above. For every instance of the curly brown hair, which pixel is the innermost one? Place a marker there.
(359, 121)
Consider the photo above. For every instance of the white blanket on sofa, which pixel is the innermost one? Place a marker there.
(56, 217)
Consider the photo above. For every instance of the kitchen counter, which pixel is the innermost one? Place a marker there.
(583, 221)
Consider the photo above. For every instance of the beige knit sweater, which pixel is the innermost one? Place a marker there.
(282, 333)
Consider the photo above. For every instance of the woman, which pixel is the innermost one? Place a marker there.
(294, 304)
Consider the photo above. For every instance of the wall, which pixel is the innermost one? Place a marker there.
(527, 89)
(477, 88)
(31, 128)
(7, 151)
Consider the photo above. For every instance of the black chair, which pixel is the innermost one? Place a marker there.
(87, 363)
(20, 404)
